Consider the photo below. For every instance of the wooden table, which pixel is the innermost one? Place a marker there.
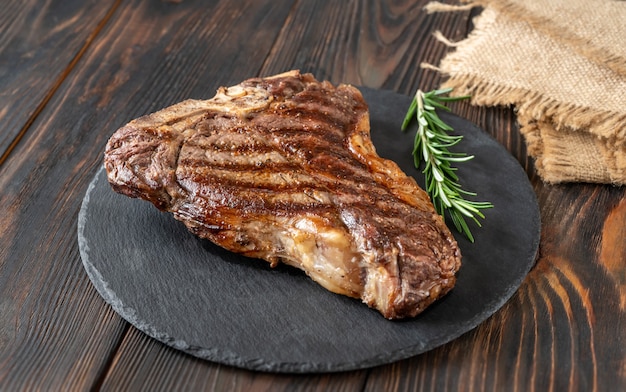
(73, 71)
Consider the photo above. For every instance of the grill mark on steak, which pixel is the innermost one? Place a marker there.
(282, 168)
(230, 164)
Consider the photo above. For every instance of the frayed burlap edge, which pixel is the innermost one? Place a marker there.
(604, 124)
(483, 92)
(599, 55)
(581, 157)
(596, 155)
(562, 153)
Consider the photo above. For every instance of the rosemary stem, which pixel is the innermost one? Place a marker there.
(431, 149)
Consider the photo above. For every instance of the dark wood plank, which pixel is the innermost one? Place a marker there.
(55, 331)
(153, 366)
(39, 44)
(377, 44)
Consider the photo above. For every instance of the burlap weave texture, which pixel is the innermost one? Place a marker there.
(571, 103)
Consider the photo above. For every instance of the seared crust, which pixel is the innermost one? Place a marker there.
(283, 169)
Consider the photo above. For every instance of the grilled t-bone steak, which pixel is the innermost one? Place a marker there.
(283, 169)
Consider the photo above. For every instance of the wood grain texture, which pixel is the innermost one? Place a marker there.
(40, 41)
(378, 44)
(72, 72)
(149, 365)
(51, 314)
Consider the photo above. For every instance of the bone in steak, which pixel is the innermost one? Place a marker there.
(283, 169)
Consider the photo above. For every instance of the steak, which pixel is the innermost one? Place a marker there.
(283, 169)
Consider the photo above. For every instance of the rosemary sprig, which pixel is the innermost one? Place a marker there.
(431, 148)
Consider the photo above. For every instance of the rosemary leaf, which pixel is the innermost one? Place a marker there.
(430, 150)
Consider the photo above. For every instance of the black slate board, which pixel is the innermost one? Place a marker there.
(216, 305)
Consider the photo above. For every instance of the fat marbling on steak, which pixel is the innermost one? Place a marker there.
(283, 169)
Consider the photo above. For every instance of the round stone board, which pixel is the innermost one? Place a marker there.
(220, 306)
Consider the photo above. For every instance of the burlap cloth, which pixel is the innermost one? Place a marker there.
(562, 65)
